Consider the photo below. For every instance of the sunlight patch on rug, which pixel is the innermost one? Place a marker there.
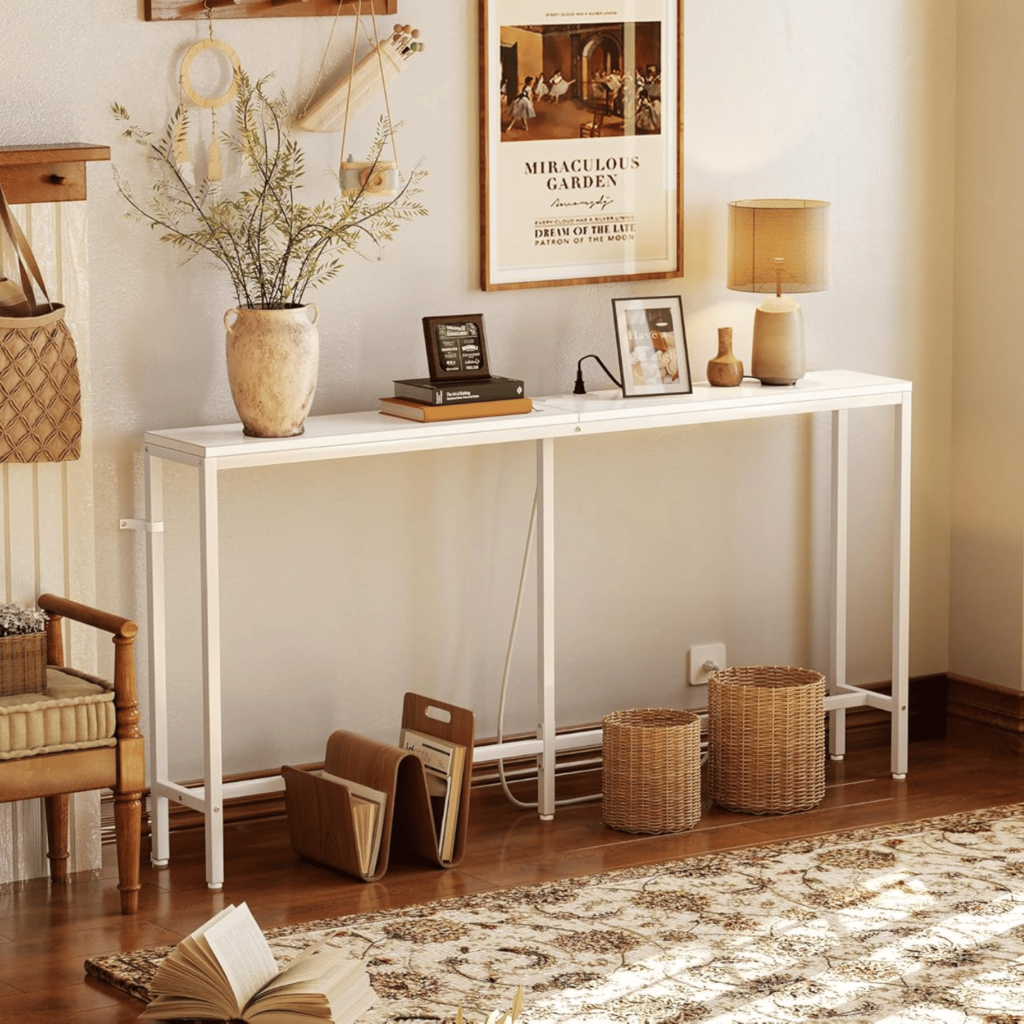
(922, 921)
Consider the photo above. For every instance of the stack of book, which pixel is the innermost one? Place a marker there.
(427, 400)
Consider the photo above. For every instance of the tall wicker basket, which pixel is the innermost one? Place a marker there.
(651, 770)
(766, 739)
(22, 664)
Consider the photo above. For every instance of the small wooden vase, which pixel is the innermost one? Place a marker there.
(725, 370)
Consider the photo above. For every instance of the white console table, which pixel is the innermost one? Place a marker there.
(216, 449)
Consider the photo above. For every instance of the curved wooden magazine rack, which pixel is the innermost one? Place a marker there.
(320, 811)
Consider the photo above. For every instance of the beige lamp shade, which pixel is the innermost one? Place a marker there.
(778, 245)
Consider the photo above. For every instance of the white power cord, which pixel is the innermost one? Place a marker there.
(508, 664)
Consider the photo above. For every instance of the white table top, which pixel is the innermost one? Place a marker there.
(366, 433)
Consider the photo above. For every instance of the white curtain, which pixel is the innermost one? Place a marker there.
(46, 531)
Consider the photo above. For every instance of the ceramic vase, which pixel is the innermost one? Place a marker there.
(725, 370)
(273, 356)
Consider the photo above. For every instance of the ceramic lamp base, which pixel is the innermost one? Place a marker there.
(777, 353)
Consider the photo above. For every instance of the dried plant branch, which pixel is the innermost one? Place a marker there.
(273, 247)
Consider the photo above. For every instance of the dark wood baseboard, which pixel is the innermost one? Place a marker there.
(272, 805)
(983, 712)
(865, 727)
(928, 717)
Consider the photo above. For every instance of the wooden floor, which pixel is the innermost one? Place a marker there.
(45, 934)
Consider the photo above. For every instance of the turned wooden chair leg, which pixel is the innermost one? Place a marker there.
(57, 837)
(128, 830)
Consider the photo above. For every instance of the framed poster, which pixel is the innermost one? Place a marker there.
(581, 162)
(456, 349)
(651, 338)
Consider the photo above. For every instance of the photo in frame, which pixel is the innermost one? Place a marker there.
(581, 148)
(650, 337)
(456, 348)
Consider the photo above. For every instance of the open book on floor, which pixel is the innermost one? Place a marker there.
(225, 970)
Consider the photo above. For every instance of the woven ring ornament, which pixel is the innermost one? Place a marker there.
(209, 102)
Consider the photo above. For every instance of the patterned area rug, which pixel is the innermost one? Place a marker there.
(915, 922)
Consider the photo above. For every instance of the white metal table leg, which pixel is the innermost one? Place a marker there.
(155, 593)
(546, 626)
(837, 631)
(901, 589)
(213, 759)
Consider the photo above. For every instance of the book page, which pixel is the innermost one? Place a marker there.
(242, 951)
(367, 818)
(364, 815)
(319, 980)
(434, 752)
(444, 762)
(191, 975)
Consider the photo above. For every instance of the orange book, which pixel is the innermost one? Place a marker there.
(464, 411)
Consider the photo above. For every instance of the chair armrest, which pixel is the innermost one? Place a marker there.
(124, 632)
(55, 605)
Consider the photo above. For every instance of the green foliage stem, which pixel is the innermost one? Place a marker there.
(273, 247)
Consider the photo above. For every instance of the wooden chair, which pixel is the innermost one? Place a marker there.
(592, 129)
(121, 767)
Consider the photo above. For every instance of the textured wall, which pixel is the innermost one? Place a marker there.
(987, 537)
(346, 584)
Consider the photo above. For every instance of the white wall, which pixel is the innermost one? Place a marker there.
(987, 540)
(345, 585)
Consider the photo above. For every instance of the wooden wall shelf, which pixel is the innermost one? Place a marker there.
(177, 10)
(47, 174)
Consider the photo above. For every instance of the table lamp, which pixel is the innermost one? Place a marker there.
(778, 245)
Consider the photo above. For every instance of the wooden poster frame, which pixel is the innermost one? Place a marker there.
(200, 10)
(620, 207)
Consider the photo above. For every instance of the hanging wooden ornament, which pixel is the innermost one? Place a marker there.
(214, 163)
(385, 61)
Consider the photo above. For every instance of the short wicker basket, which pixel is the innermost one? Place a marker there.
(22, 664)
(651, 770)
(766, 739)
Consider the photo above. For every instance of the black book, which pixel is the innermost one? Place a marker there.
(486, 389)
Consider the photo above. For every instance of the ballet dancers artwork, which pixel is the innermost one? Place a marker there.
(582, 144)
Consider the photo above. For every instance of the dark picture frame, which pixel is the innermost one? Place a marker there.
(581, 142)
(456, 347)
(650, 334)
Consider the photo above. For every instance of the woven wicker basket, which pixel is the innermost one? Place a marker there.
(22, 664)
(766, 739)
(651, 770)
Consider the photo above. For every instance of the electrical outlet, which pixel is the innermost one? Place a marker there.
(705, 659)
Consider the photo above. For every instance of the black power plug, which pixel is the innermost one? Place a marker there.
(578, 387)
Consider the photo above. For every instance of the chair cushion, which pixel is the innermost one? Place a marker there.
(75, 712)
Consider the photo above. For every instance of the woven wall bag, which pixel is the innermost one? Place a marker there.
(40, 390)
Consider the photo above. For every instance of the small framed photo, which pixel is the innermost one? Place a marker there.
(456, 349)
(651, 340)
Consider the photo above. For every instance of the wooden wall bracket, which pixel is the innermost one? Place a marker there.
(191, 10)
(47, 174)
